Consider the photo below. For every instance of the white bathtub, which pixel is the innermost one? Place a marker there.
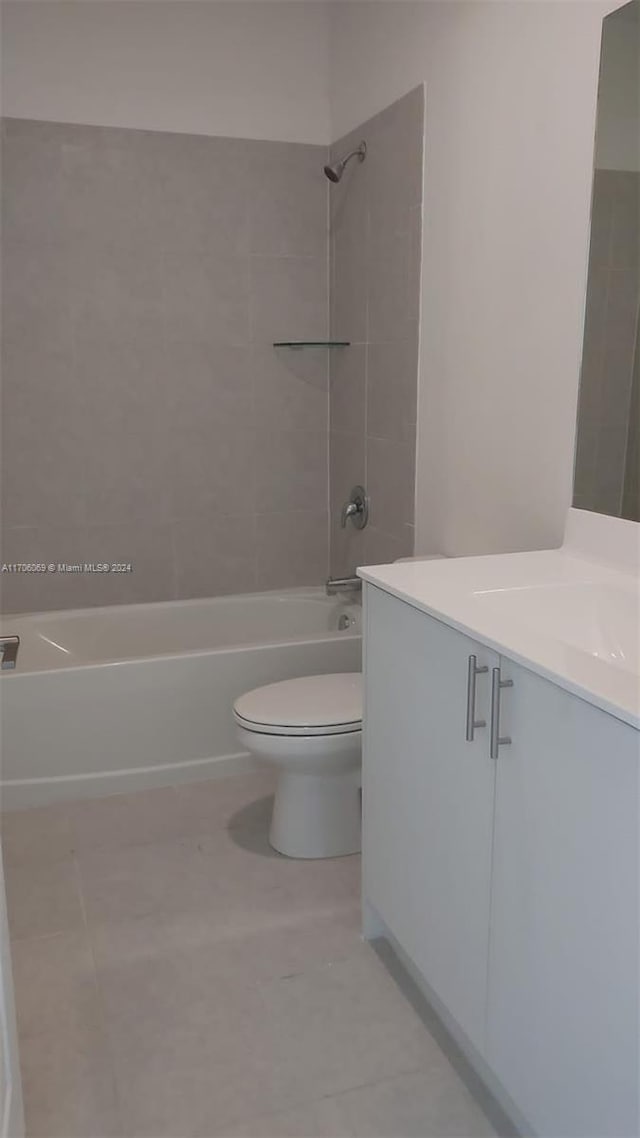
(111, 699)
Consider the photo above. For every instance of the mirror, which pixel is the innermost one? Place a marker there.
(607, 465)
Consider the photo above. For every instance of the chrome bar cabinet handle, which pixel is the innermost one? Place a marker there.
(497, 740)
(473, 671)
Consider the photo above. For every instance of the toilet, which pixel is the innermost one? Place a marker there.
(310, 730)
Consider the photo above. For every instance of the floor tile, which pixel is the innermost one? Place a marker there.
(218, 990)
(237, 802)
(247, 872)
(174, 950)
(196, 1077)
(43, 898)
(42, 835)
(119, 882)
(427, 1104)
(55, 983)
(227, 875)
(344, 1025)
(68, 1085)
(322, 1119)
(126, 819)
(237, 1052)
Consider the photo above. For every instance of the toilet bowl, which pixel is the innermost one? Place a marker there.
(310, 730)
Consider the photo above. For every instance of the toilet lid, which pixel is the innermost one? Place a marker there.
(315, 705)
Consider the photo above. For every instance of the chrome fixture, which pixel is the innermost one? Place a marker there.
(335, 172)
(342, 585)
(9, 651)
(357, 508)
(473, 671)
(497, 740)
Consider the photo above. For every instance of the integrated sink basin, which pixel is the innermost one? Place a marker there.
(572, 614)
(598, 618)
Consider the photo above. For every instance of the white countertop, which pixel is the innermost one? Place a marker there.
(569, 618)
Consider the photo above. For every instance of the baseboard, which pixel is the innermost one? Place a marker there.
(506, 1119)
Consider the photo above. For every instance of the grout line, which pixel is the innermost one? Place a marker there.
(100, 1003)
(78, 876)
(43, 936)
(367, 333)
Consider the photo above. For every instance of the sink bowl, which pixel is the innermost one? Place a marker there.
(600, 619)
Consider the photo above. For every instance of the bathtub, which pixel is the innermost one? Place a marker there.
(111, 699)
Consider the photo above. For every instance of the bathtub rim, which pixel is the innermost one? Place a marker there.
(305, 592)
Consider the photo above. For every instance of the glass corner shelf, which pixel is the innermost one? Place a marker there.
(311, 343)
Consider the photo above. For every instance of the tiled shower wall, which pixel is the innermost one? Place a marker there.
(606, 473)
(146, 416)
(376, 234)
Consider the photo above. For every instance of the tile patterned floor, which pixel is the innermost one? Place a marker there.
(175, 978)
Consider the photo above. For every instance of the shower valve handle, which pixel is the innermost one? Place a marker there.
(357, 508)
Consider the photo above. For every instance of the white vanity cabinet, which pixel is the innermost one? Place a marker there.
(562, 1025)
(428, 801)
(511, 884)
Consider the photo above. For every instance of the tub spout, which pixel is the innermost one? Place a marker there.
(342, 585)
(9, 651)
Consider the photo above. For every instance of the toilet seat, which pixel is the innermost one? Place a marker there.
(309, 706)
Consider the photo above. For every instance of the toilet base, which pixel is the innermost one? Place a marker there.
(316, 816)
(316, 810)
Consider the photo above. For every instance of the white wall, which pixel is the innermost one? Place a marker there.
(254, 70)
(618, 138)
(510, 119)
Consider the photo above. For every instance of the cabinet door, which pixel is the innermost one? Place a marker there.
(428, 801)
(563, 978)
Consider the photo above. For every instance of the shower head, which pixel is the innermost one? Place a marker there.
(335, 172)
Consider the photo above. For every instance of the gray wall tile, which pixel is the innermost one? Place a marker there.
(348, 548)
(291, 471)
(347, 456)
(290, 388)
(348, 303)
(391, 484)
(347, 464)
(43, 438)
(288, 201)
(206, 296)
(289, 297)
(348, 380)
(146, 413)
(35, 293)
(148, 549)
(28, 592)
(292, 549)
(212, 471)
(146, 276)
(214, 555)
(33, 206)
(392, 390)
(376, 239)
(204, 200)
(382, 548)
